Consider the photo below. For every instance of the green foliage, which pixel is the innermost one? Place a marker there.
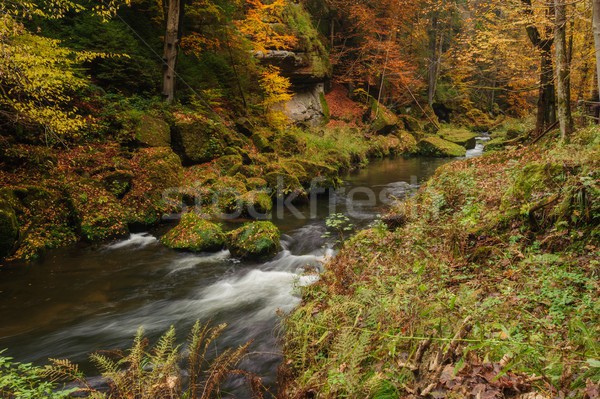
(155, 373)
(38, 79)
(465, 280)
(25, 381)
(339, 225)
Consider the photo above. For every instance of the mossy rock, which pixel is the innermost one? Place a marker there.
(283, 183)
(100, 216)
(320, 174)
(256, 240)
(199, 141)
(262, 142)
(289, 144)
(225, 193)
(383, 121)
(494, 145)
(437, 147)
(244, 126)
(411, 124)
(460, 136)
(229, 164)
(118, 183)
(478, 121)
(158, 174)
(9, 225)
(152, 132)
(408, 142)
(255, 203)
(256, 183)
(49, 212)
(195, 234)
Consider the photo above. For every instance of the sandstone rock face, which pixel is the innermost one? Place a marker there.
(306, 106)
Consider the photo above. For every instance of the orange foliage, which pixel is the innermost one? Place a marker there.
(371, 49)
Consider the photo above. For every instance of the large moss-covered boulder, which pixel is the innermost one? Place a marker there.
(460, 136)
(383, 121)
(199, 141)
(47, 218)
(195, 234)
(9, 226)
(438, 147)
(283, 183)
(157, 176)
(256, 240)
(152, 132)
(97, 211)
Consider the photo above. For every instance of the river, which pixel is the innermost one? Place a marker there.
(85, 298)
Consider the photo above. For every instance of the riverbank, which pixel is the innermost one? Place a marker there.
(482, 285)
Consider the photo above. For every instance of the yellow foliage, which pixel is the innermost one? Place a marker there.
(38, 79)
(276, 93)
(259, 26)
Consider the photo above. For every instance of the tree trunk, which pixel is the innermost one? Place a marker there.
(435, 54)
(546, 109)
(170, 49)
(562, 70)
(596, 29)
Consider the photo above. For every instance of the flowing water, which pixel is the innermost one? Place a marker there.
(81, 299)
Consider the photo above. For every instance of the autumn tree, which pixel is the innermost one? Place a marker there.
(40, 78)
(372, 47)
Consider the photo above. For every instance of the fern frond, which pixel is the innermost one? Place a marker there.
(221, 367)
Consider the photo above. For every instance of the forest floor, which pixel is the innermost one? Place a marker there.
(483, 285)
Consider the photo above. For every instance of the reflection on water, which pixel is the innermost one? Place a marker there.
(85, 298)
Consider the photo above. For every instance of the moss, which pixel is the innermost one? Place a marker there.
(289, 144)
(99, 214)
(411, 124)
(9, 226)
(383, 120)
(194, 234)
(298, 19)
(199, 141)
(118, 183)
(47, 219)
(152, 132)
(229, 164)
(284, 183)
(256, 183)
(325, 108)
(408, 142)
(158, 171)
(495, 145)
(319, 173)
(255, 203)
(262, 141)
(437, 147)
(460, 136)
(256, 240)
(225, 193)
